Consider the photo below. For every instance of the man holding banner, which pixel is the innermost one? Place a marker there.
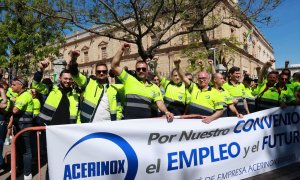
(204, 101)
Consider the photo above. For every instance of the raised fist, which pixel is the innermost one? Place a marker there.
(200, 63)
(43, 64)
(125, 46)
(177, 61)
(269, 63)
(75, 54)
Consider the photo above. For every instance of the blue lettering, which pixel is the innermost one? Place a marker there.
(83, 170)
(113, 167)
(223, 151)
(91, 169)
(67, 173)
(104, 168)
(121, 166)
(213, 159)
(184, 160)
(295, 120)
(74, 168)
(98, 168)
(237, 125)
(247, 129)
(238, 149)
(171, 161)
(201, 155)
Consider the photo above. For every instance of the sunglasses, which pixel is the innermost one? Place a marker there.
(19, 80)
(139, 69)
(101, 71)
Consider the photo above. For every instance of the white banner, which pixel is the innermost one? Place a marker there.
(228, 148)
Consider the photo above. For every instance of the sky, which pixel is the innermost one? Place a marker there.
(284, 33)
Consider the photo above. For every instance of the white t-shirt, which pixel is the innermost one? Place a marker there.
(103, 111)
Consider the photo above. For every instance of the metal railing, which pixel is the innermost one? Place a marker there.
(13, 150)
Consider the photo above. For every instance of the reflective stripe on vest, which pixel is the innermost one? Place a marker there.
(172, 104)
(137, 107)
(53, 101)
(47, 112)
(264, 103)
(92, 96)
(26, 117)
(250, 101)
(198, 109)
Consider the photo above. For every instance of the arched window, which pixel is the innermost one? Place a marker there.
(102, 48)
(85, 51)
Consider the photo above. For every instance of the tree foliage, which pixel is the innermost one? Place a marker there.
(27, 36)
(163, 20)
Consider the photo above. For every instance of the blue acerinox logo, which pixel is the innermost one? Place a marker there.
(118, 140)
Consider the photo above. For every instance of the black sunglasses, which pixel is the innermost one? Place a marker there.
(139, 69)
(101, 71)
(19, 80)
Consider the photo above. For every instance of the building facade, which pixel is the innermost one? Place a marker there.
(252, 52)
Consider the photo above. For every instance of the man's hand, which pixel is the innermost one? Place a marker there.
(43, 64)
(75, 55)
(177, 62)
(270, 63)
(210, 62)
(239, 116)
(207, 119)
(125, 47)
(169, 116)
(200, 63)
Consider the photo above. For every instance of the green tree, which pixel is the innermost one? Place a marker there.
(27, 36)
(162, 20)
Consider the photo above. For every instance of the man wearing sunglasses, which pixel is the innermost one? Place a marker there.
(139, 93)
(101, 101)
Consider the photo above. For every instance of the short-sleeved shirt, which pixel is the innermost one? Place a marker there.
(138, 96)
(237, 90)
(226, 99)
(24, 103)
(176, 96)
(204, 102)
(36, 107)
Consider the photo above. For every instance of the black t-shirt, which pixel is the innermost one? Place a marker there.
(62, 113)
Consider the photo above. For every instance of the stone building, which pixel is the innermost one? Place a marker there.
(247, 56)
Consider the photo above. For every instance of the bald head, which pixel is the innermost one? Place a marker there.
(218, 80)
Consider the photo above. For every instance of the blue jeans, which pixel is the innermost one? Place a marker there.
(24, 146)
(2, 139)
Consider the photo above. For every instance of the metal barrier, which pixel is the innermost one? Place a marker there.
(13, 150)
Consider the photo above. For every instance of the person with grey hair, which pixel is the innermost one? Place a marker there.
(204, 101)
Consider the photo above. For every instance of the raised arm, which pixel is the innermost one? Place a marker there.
(37, 78)
(186, 81)
(155, 59)
(115, 64)
(263, 72)
(211, 64)
(3, 103)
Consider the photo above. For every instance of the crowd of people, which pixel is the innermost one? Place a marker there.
(135, 95)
